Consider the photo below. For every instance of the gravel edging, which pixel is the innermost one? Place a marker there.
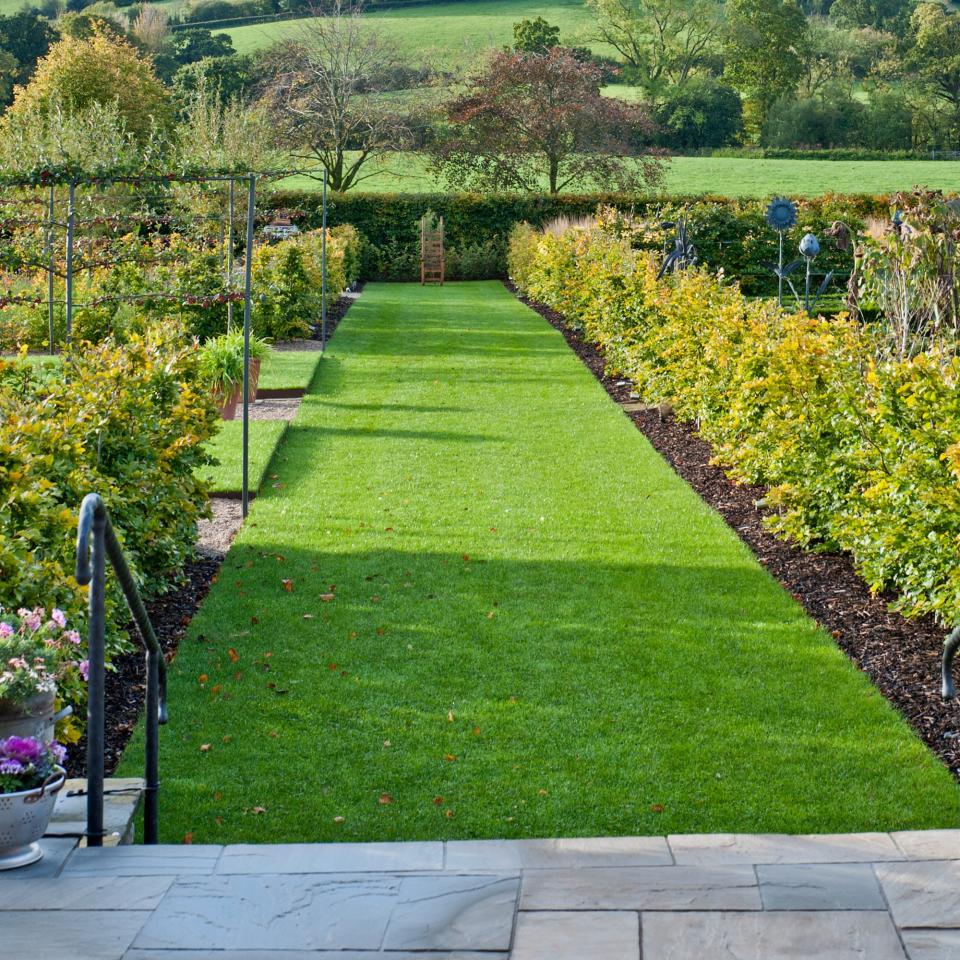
(901, 656)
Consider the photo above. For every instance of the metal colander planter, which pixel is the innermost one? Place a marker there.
(28, 718)
(23, 821)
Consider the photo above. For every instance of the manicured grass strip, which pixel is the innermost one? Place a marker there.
(723, 176)
(289, 369)
(480, 605)
(227, 447)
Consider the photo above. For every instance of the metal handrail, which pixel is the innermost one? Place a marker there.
(950, 646)
(95, 528)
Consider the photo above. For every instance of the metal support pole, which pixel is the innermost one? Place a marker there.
(780, 273)
(247, 285)
(50, 265)
(323, 270)
(95, 684)
(71, 214)
(230, 261)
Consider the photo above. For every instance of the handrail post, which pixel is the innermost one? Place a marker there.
(93, 523)
(947, 690)
(97, 541)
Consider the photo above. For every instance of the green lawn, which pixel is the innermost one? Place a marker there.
(227, 447)
(289, 369)
(478, 604)
(445, 35)
(726, 176)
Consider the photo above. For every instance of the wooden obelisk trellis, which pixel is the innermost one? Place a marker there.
(432, 262)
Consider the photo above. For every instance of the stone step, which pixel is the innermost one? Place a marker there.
(121, 803)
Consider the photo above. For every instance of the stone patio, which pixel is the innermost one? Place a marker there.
(874, 896)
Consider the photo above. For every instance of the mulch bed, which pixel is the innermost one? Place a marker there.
(170, 615)
(901, 656)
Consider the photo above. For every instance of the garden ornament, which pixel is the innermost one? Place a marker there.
(809, 248)
(684, 253)
(781, 215)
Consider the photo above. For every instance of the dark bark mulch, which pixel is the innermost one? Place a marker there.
(901, 656)
(337, 311)
(126, 683)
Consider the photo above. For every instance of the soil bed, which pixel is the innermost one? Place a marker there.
(901, 656)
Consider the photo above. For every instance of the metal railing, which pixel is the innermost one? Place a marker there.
(96, 542)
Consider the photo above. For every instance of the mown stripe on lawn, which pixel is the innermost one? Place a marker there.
(481, 605)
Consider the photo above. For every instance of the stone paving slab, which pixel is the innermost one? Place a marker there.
(121, 801)
(70, 934)
(160, 861)
(84, 893)
(547, 854)
(642, 888)
(922, 893)
(136, 954)
(331, 858)
(932, 944)
(55, 853)
(454, 913)
(819, 886)
(824, 935)
(929, 844)
(726, 848)
(603, 935)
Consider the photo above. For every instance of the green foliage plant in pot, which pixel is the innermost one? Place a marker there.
(221, 368)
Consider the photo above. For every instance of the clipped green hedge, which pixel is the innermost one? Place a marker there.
(729, 233)
(859, 446)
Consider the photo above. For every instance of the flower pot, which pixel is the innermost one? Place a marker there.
(24, 817)
(28, 718)
(228, 402)
(254, 377)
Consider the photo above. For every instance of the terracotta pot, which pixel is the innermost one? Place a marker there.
(28, 718)
(254, 377)
(24, 818)
(228, 402)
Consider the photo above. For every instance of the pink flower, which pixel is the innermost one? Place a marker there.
(31, 619)
(58, 617)
(5, 629)
(84, 666)
(72, 636)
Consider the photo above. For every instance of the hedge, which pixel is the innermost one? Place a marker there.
(729, 233)
(859, 445)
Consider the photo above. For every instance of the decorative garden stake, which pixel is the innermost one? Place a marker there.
(781, 215)
(809, 248)
(684, 253)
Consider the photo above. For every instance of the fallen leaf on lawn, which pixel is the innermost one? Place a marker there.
(202, 679)
(476, 731)
(387, 743)
(656, 807)
(287, 585)
(308, 616)
(327, 597)
(449, 757)
(215, 688)
(256, 811)
(274, 734)
(385, 799)
(491, 614)
(233, 655)
(339, 819)
(449, 716)
(542, 792)
(188, 838)
(227, 738)
(466, 558)
(380, 631)
(218, 821)
(438, 801)
(254, 620)
(375, 598)
(448, 814)
(217, 795)
(331, 666)
(204, 747)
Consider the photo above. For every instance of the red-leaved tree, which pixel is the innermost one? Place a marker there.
(529, 119)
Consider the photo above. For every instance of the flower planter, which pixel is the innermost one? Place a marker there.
(228, 407)
(29, 718)
(23, 821)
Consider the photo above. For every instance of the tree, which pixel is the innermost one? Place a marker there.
(326, 93)
(101, 69)
(27, 38)
(704, 113)
(765, 50)
(934, 58)
(535, 36)
(196, 43)
(662, 41)
(891, 15)
(529, 118)
(836, 57)
(227, 78)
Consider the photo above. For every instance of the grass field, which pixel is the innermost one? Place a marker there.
(731, 177)
(476, 603)
(445, 35)
(289, 369)
(227, 448)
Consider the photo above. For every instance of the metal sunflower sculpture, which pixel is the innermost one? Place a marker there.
(781, 216)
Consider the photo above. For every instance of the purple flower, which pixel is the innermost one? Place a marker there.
(84, 666)
(59, 751)
(31, 619)
(58, 617)
(25, 749)
(11, 766)
(6, 630)
(72, 636)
